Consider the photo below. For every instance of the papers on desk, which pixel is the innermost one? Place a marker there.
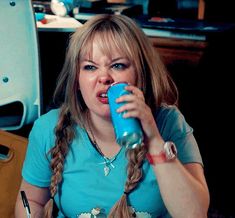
(56, 22)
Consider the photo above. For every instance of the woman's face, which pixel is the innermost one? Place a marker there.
(96, 74)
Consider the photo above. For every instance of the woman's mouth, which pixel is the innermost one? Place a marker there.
(102, 97)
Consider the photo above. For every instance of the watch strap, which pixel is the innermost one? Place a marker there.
(168, 153)
(156, 158)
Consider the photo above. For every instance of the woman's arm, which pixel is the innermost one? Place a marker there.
(37, 198)
(183, 188)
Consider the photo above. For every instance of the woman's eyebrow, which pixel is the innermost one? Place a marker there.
(88, 60)
(93, 62)
(117, 59)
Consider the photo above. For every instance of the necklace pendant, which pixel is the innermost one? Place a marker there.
(106, 170)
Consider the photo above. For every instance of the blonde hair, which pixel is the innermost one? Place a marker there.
(124, 35)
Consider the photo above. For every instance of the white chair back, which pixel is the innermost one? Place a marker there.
(19, 65)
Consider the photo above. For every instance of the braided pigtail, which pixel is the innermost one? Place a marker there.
(134, 174)
(64, 135)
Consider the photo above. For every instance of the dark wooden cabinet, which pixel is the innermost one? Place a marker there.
(179, 50)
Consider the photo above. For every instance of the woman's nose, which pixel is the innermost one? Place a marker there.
(106, 79)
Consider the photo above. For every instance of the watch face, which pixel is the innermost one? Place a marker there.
(170, 150)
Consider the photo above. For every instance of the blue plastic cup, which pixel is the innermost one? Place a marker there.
(128, 131)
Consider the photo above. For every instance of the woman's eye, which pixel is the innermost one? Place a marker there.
(119, 66)
(89, 67)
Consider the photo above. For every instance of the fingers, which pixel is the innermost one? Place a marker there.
(130, 109)
(135, 103)
(136, 107)
(135, 93)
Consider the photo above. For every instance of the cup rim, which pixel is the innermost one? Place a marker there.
(115, 83)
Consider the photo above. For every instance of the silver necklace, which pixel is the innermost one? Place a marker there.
(108, 162)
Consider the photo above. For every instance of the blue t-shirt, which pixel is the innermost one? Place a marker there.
(84, 186)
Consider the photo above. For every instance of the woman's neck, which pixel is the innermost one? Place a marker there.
(101, 130)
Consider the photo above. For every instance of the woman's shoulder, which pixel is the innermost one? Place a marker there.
(42, 132)
(170, 119)
(48, 119)
(169, 112)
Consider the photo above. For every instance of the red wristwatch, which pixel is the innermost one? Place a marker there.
(168, 153)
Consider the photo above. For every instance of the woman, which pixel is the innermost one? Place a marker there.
(72, 155)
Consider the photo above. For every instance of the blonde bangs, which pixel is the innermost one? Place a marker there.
(108, 42)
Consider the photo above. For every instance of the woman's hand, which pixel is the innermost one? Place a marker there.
(136, 107)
